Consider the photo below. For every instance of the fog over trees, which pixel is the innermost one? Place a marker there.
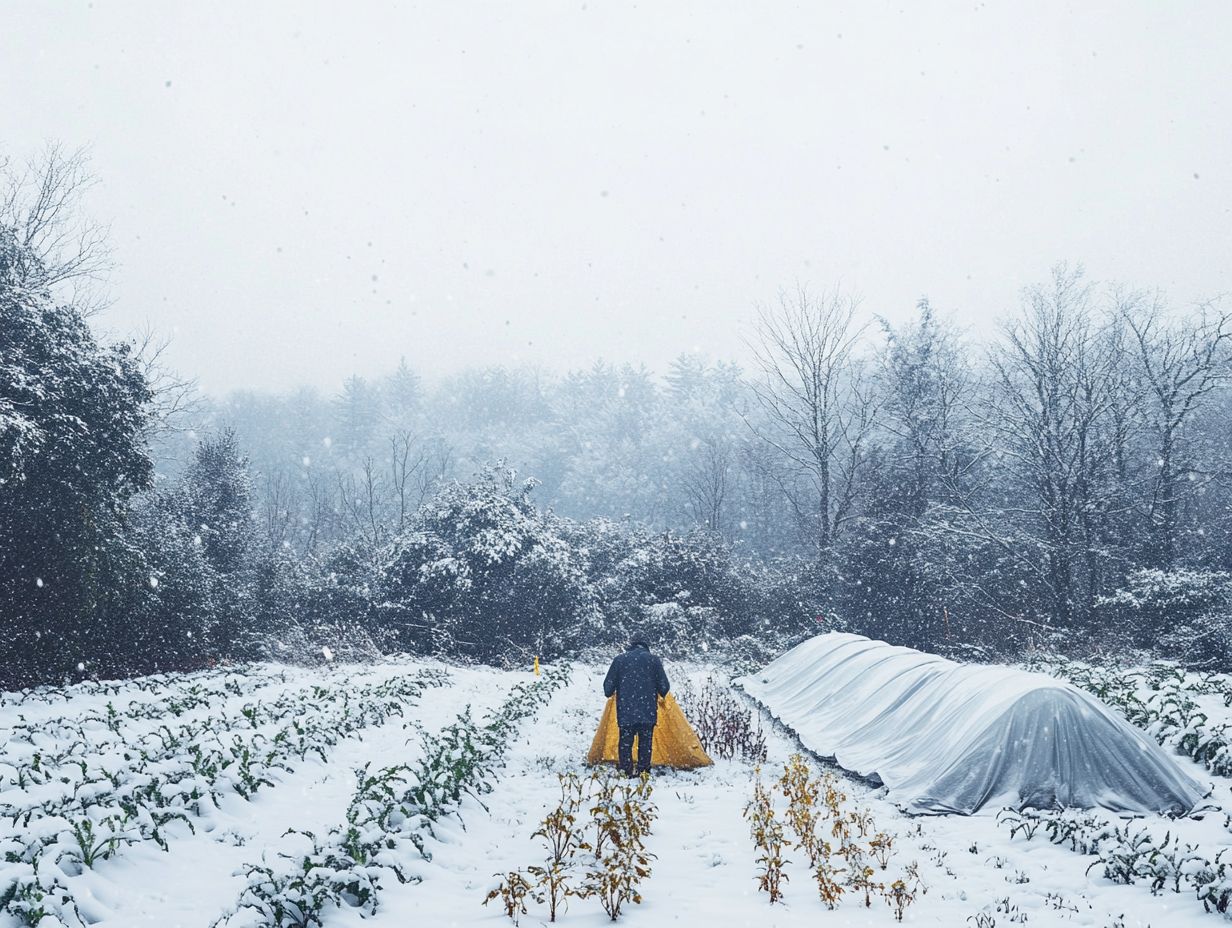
(1064, 482)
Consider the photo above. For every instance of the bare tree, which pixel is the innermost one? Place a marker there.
(1048, 418)
(322, 515)
(437, 466)
(1126, 394)
(706, 481)
(379, 502)
(41, 215)
(1182, 364)
(705, 401)
(761, 503)
(818, 410)
(280, 509)
(40, 202)
(175, 402)
(363, 500)
(407, 458)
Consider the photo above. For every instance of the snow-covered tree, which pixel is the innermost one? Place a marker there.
(401, 398)
(707, 433)
(356, 418)
(610, 421)
(40, 212)
(217, 501)
(483, 572)
(73, 414)
(895, 579)
(1046, 419)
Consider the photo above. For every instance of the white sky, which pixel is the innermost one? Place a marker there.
(299, 191)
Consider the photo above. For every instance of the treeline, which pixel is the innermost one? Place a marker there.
(1064, 483)
(110, 566)
(106, 570)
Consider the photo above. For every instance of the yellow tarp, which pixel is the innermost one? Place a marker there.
(675, 744)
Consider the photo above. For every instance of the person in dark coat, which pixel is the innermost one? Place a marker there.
(638, 680)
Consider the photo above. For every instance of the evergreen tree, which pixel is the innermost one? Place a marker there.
(401, 396)
(356, 411)
(73, 414)
(217, 501)
(893, 585)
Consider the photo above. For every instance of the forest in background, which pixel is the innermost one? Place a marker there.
(1063, 484)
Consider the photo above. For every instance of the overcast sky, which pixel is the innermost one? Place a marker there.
(299, 191)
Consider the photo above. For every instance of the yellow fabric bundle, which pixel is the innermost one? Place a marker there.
(675, 743)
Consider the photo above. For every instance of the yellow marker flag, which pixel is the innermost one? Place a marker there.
(536, 666)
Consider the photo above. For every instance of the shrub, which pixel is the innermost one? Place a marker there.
(1185, 613)
(483, 563)
(725, 727)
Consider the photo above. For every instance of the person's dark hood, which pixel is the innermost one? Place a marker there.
(638, 643)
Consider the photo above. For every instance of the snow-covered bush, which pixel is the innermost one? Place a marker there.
(1186, 614)
(484, 565)
(306, 607)
(689, 593)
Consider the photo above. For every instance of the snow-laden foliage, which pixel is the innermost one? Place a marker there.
(1063, 487)
(197, 538)
(484, 572)
(73, 414)
(978, 499)
(1185, 613)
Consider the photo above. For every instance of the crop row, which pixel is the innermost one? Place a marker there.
(390, 816)
(54, 785)
(610, 866)
(1128, 852)
(69, 738)
(152, 683)
(59, 826)
(840, 845)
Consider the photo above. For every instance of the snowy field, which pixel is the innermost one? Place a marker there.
(195, 801)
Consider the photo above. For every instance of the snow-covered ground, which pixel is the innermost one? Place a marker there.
(704, 870)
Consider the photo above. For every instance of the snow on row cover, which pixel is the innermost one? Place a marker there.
(947, 737)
